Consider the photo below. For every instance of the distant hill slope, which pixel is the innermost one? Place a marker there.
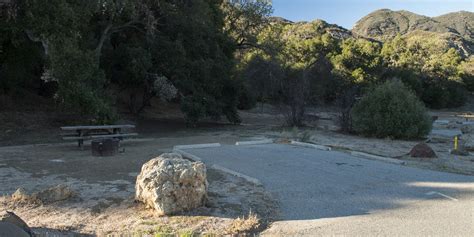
(386, 23)
(316, 27)
(461, 22)
(456, 28)
(443, 41)
(452, 30)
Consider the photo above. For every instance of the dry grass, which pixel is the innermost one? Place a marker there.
(244, 225)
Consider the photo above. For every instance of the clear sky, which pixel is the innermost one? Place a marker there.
(346, 12)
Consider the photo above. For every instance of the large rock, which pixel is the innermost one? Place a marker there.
(422, 150)
(12, 225)
(170, 184)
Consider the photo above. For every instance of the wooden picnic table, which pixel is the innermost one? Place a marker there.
(465, 116)
(81, 133)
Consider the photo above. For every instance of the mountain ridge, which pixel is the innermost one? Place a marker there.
(455, 29)
(384, 24)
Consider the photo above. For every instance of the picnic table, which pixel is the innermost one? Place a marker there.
(466, 116)
(81, 133)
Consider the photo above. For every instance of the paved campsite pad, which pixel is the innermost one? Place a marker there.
(313, 185)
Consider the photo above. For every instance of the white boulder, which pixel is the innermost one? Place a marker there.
(170, 184)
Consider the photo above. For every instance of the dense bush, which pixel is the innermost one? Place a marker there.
(391, 110)
(444, 94)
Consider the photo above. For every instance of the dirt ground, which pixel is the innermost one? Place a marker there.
(105, 193)
(105, 186)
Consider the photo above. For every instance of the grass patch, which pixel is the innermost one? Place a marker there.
(249, 224)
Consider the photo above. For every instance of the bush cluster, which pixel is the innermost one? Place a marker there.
(391, 110)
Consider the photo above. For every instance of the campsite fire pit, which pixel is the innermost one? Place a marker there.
(105, 147)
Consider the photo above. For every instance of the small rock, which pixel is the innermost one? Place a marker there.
(54, 194)
(12, 225)
(422, 150)
(20, 195)
(171, 184)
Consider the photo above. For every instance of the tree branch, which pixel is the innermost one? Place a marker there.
(34, 38)
(103, 37)
(110, 29)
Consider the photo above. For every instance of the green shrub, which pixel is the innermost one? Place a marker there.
(457, 94)
(468, 81)
(246, 99)
(435, 97)
(446, 94)
(391, 110)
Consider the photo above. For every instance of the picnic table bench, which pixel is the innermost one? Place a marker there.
(81, 133)
(465, 116)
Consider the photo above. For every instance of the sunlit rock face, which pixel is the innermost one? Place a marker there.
(170, 184)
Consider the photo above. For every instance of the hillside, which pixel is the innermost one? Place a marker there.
(385, 23)
(313, 28)
(461, 22)
(443, 41)
(453, 29)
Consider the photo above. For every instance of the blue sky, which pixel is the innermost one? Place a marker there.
(347, 12)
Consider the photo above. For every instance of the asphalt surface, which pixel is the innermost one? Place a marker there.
(333, 193)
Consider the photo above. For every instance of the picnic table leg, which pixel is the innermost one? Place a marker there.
(80, 141)
(118, 131)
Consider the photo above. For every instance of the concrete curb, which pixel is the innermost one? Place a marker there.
(186, 154)
(309, 145)
(197, 146)
(379, 158)
(258, 142)
(237, 174)
(220, 168)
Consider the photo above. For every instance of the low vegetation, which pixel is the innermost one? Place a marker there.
(97, 57)
(314, 63)
(243, 225)
(211, 58)
(391, 110)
